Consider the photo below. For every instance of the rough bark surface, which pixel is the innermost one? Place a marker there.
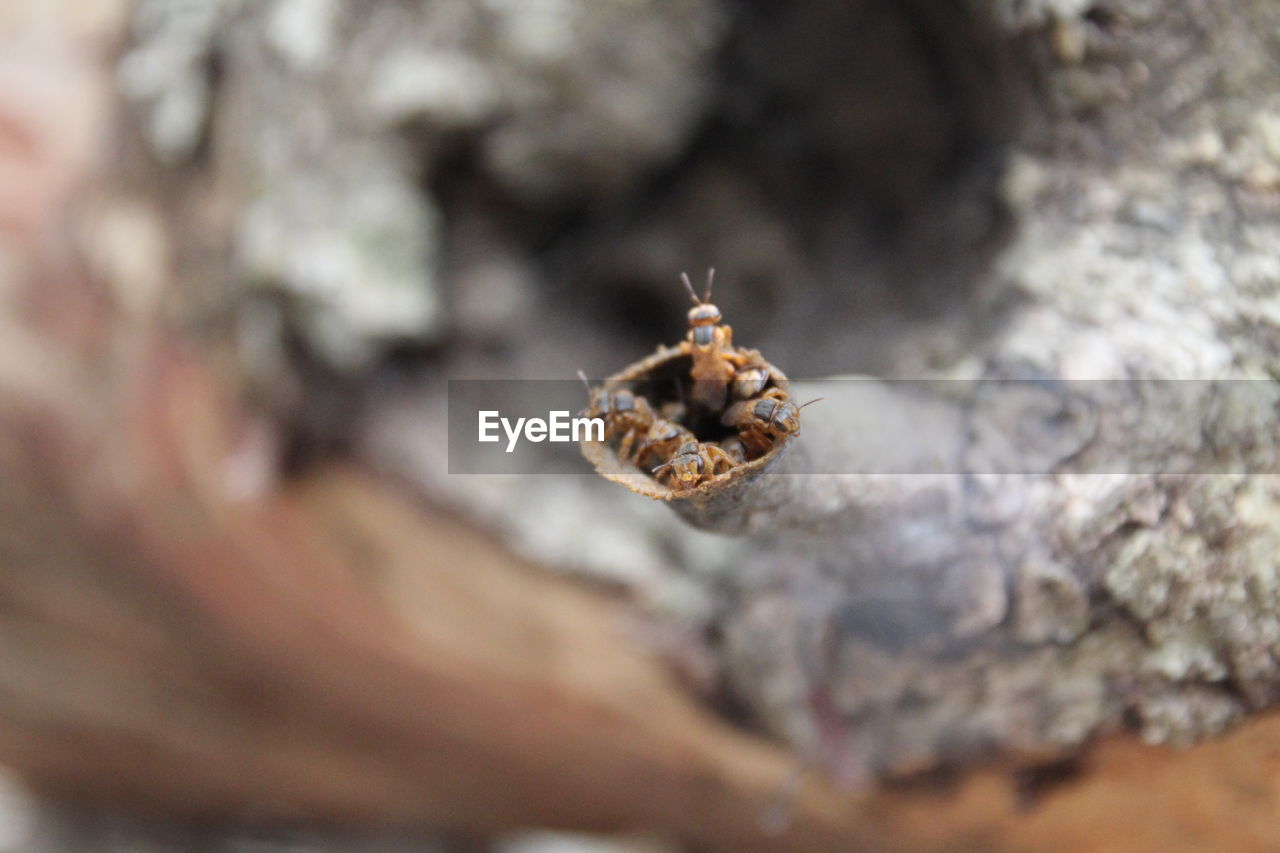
(309, 212)
(1034, 612)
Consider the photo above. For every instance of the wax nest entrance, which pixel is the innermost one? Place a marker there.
(664, 384)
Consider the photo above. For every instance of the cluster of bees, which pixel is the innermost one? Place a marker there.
(731, 392)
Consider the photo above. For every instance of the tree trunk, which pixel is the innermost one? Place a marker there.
(243, 242)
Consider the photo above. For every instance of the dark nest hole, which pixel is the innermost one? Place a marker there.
(845, 181)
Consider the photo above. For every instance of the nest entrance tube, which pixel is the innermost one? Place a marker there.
(663, 381)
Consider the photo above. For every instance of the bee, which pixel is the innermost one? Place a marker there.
(625, 414)
(760, 421)
(750, 381)
(695, 461)
(662, 439)
(711, 343)
(735, 448)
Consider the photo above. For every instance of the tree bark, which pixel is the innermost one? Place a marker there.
(189, 632)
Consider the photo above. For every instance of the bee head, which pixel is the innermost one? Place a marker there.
(703, 316)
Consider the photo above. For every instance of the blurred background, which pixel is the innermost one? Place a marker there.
(244, 245)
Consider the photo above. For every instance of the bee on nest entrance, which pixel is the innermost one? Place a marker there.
(693, 419)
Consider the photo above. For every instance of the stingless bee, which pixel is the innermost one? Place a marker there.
(663, 438)
(711, 343)
(716, 364)
(735, 448)
(695, 461)
(750, 381)
(625, 413)
(770, 416)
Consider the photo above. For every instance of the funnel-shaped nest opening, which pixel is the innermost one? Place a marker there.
(642, 457)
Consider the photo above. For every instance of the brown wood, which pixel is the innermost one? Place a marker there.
(329, 651)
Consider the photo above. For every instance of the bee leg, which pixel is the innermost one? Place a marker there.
(640, 450)
(775, 393)
(756, 442)
(624, 449)
(719, 456)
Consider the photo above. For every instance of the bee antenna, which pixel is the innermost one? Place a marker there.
(666, 464)
(811, 402)
(688, 285)
(711, 275)
(585, 382)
